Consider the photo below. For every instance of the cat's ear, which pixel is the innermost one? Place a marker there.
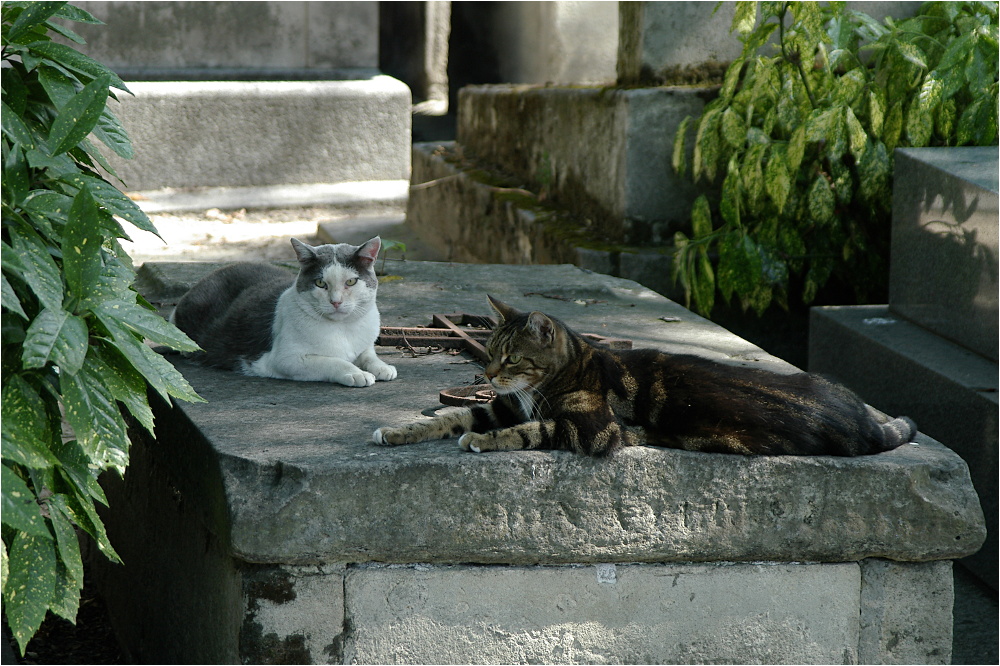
(368, 253)
(305, 253)
(542, 327)
(504, 311)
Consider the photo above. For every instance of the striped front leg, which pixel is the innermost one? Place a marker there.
(530, 435)
(479, 418)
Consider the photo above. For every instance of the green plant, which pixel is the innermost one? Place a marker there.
(802, 137)
(73, 328)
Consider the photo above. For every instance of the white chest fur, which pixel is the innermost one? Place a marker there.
(308, 345)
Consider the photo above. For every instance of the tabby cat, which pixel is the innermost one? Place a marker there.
(262, 320)
(557, 390)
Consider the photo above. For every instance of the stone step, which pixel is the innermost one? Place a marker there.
(192, 134)
(902, 368)
(455, 208)
(602, 153)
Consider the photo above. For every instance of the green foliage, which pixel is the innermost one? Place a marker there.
(802, 138)
(73, 327)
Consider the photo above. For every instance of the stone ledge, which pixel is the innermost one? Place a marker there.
(470, 221)
(289, 469)
(950, 391)
(602, 152)
(258, 133)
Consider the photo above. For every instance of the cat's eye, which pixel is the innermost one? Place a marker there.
(320, 283)
(514, 359)
(351, 282)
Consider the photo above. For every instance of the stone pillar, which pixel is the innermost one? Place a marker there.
(413, 47)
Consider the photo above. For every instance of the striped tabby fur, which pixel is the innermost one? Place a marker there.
(557, 390)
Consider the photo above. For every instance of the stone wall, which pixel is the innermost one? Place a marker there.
(162, 40)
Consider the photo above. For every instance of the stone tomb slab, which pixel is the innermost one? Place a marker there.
(260, 525)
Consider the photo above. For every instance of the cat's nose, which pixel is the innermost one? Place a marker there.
(336, 304)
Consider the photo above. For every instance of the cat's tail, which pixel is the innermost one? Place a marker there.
(897, 432)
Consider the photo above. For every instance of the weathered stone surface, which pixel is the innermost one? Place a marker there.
(627, 614)
(144, 38)
(603, 153)
(683, 37)
(467, 220)
(906, 612)
(900, 367)
(473, 222)
(303, 484)
(243, 133)
(945, 243)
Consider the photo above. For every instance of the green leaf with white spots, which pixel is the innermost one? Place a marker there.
(161, 375)
(893, 127)
(68, 547)
(32, 15)
(40, 271)
(734, 131)
(79, 472)
(20, 508)
(82, 511)
(146, 323)
(30, 585)
(777, 181)
(79, 116)
(821, 201)
(701, 218)
(114, 201)
(75, 61)
(125, 383)
(92, 411)
(81, 243)
(10, 300)
(57, 337)
(679, 156)
(856, 135)
(27, 432)
(744, 18)
(796, 149)
(15, 128)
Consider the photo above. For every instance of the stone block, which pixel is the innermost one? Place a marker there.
(470, 221)
(906, 615)
(605, 614)
(241, 134)
(164, 40)
(555, 42)
(602, 153)
(902, 368)
(657, 38)
(253, 522)
(945, 248)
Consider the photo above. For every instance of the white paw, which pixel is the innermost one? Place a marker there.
(357, 378)
(377, 437)
(386, 373)
(465, 441)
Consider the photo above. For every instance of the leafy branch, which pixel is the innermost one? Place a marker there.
(73, 328)
(802, 136)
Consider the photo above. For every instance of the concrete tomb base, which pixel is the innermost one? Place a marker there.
(263, 527)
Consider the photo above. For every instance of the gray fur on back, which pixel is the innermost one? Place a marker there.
(230, 312)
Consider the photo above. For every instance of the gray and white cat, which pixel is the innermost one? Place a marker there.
(259, 320)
